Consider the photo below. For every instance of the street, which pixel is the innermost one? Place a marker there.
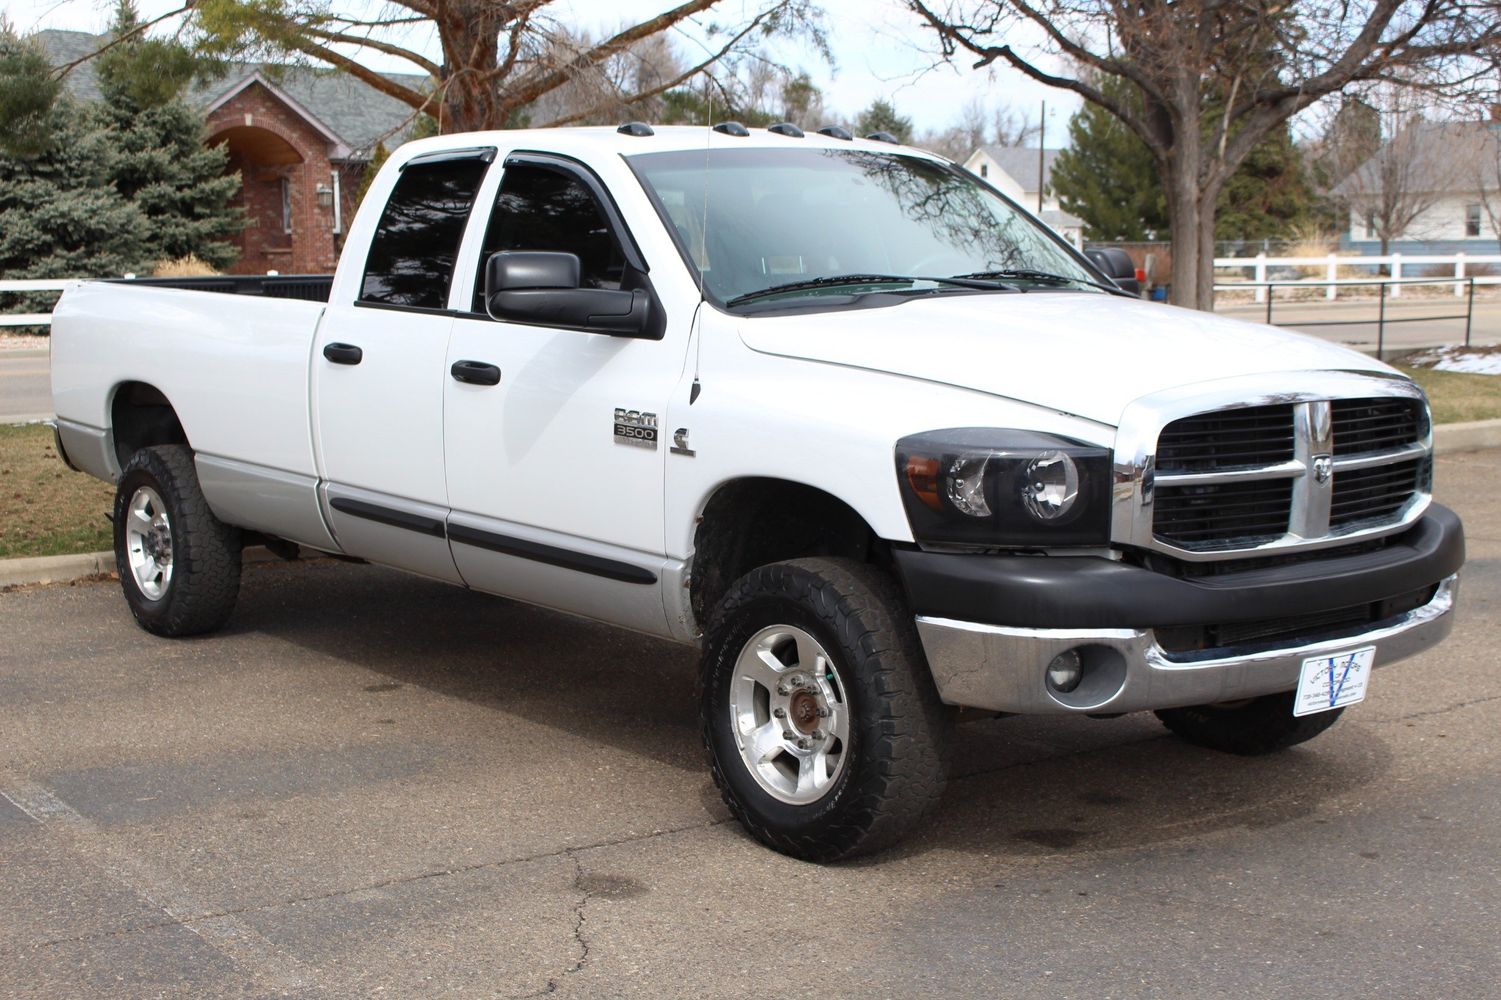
(25, 388)
(1412, 321)
(374, 784)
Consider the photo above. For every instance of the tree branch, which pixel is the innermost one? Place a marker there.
(364, 41)
(390, 88)
(529, 90)
(676, 81)
(66, 68)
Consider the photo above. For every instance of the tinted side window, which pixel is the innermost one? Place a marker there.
(412, 255)
(541, 209)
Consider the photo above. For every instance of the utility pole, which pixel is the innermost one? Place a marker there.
(1042, 149)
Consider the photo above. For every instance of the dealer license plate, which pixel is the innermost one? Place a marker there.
(1333, 681)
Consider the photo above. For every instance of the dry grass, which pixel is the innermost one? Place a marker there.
(47, 509)
(182, 267)
(1459, 396)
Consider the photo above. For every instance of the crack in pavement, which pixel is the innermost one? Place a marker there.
(1429, 713)
(569, 852)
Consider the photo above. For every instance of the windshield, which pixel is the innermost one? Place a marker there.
(753, 219)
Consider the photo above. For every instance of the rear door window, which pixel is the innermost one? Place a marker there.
(412, 256)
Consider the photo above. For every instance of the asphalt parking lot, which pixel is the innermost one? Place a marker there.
(372, 785)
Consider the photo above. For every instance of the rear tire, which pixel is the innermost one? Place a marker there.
(857, 756)
(179, 565)
(1261, 726)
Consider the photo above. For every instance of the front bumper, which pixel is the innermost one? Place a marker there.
(1004, 669)
(990, 626)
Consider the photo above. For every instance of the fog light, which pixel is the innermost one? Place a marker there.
(1066, 671)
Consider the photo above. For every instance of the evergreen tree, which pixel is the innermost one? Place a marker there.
(27, 93)
(112, 187)
(60, 214)
(1268, 196)
(1109, 178)
(881, 116)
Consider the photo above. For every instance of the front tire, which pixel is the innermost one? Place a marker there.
(826, 736)
(1260, 726)
(179, 565)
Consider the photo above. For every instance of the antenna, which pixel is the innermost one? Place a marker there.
(703, 245)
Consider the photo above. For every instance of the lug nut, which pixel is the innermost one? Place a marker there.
(780, 713)
(824, 713)
(803, 744)
(818, 734)
(788, 735)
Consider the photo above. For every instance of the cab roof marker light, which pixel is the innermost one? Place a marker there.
(788, 129)
(638, 129)
(884, 137)
(836, 132)
(735, 129)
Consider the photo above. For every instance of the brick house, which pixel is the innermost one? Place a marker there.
(301, 140)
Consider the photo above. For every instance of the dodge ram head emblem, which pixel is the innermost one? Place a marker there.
(635, 427)
(1323, 468)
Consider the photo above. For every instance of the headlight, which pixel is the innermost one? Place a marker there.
(987, 487)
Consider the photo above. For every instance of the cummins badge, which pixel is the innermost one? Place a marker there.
(635, 427)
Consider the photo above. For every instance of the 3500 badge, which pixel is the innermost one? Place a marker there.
(635, 427)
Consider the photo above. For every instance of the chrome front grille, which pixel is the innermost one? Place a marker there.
(1206, 478)
(1257, 474)
(1256, 435)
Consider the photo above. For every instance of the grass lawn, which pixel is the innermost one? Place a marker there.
(47, 509)
(1458, 396)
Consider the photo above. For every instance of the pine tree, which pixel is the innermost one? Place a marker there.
(1109, 178)
(882, 116)
(27, 93)
(60, 214)
(94, 190)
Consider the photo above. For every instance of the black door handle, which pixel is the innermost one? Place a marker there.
(475, 373)
(343, 354)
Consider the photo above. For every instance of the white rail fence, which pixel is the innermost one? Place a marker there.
(1324, 272)
(29, 319)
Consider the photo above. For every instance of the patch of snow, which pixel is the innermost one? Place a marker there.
(1473, 360)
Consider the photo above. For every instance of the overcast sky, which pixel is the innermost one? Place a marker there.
(879, 49)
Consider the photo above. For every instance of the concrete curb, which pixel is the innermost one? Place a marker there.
(1448, 439)
(1451, 439)
(67, 569)
(55, 569)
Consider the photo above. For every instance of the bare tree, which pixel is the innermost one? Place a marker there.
(976, 127)
(1216, 77)
(497, 56)
(1412, 170)
(1487, 171)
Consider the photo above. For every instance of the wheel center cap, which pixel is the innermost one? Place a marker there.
(803, 710)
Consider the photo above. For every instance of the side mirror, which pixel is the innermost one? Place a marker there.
(1117, 265)
(542, 289)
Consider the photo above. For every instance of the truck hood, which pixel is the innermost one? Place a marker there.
(1078, 353)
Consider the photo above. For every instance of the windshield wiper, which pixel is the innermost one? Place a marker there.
(1047, 277)
(959, 280)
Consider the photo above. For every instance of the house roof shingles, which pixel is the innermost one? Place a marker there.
(1020, 162)
(357, 113)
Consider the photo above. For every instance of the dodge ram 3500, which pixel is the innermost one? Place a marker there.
(831, 408)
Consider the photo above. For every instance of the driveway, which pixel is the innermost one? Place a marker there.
(375, 785)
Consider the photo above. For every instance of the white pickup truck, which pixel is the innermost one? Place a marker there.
(832, 408)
